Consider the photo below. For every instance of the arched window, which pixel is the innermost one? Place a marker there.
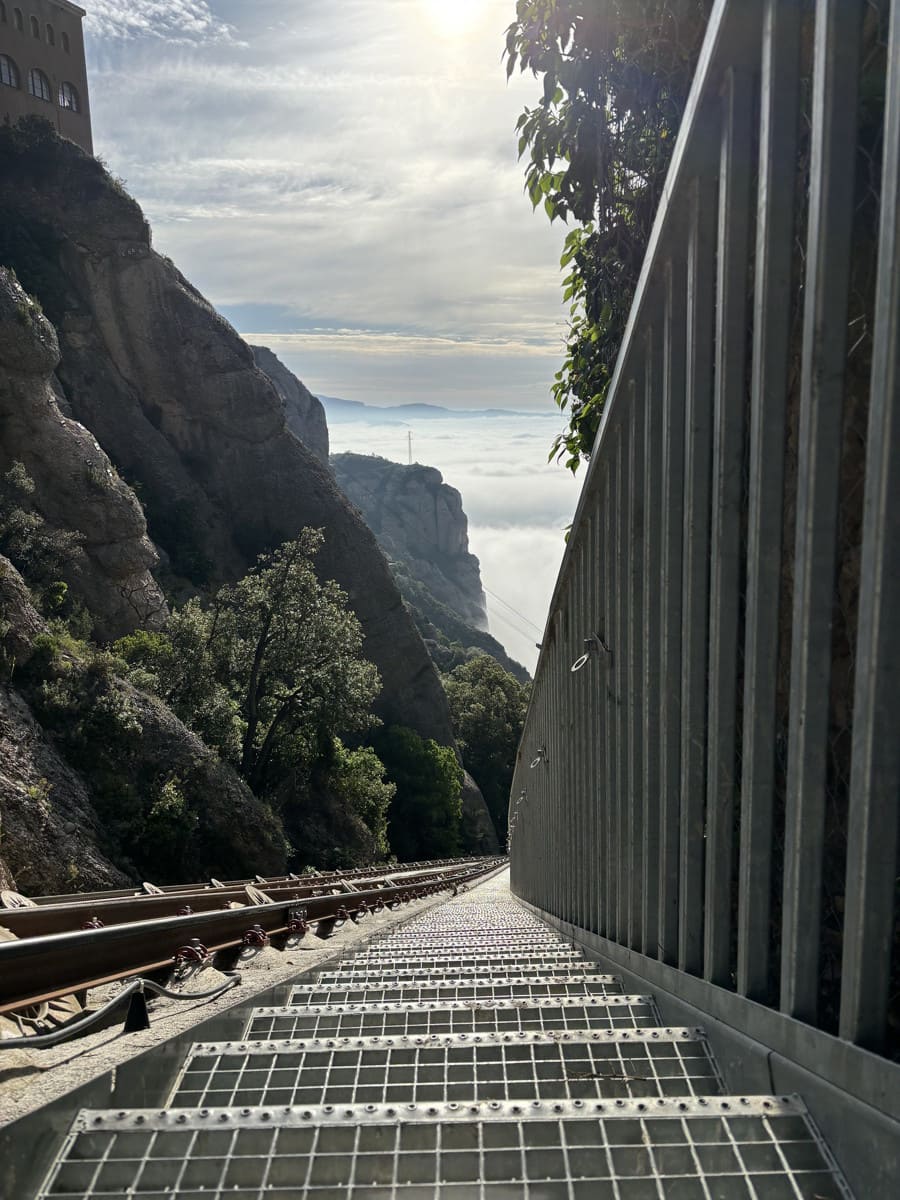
(17, 15)
(9, 72)
(51, 36)
(35, 27)
(39, 85)
(65, 42)
(68, 97)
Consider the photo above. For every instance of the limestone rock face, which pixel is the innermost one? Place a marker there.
(303, 411)
(50, 830)
(173, 395)
(76, 487)
(418, 520)
(20, 623)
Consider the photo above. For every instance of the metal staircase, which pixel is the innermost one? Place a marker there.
(470, 1055)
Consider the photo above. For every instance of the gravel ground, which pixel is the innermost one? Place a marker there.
(30, 1079)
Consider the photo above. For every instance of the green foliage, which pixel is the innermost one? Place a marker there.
(39, 552)
(268, 671)
(488, 709)
(615, 80)
(424, 819)
(169, 823)
(336, 813)
(357, 780)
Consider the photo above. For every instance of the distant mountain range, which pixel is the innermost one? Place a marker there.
(338, 411)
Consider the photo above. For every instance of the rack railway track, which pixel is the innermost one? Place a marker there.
(137, 936)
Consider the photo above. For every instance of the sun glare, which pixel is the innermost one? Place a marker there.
(453, 18)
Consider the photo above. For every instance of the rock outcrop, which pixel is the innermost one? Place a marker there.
(303, 411)
(76, 488)
(421, 526)
(51, 832)
(419, 521)
(173, 395)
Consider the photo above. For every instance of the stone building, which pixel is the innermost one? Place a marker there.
(42, 67)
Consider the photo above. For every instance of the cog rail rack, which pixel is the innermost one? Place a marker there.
(37, 968)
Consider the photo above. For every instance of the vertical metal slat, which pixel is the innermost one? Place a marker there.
(780, 106)
(835, 79)
(695, 610)
(727, 494)
(875, 775)
(651, 647)
(672, 486)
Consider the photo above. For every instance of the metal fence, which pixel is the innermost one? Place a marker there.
(709, 778)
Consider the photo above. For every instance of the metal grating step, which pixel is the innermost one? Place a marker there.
(749, 1148)
(413, 1020)
(629, 1063)
(476, 989)
(390, 975)
(488, 962)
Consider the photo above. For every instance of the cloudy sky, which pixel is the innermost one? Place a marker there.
(341, 180)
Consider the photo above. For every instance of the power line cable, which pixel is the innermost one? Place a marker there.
(506, 604)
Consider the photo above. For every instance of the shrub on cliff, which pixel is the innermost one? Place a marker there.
(336, 813)
(424, 818)
(488, 709)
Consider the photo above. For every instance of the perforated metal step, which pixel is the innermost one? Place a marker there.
(408, 1020)
(490, 963)
(346, 976)
(746, 1148)
(475, 989)
(444, 1067)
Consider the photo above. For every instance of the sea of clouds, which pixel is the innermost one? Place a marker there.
(517, 503)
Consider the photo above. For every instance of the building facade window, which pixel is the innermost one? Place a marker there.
(65, 42)
(9, 72)
(35, 27)
(51, 36)
(17, 16)
(68, 97)
(39, 85)
(2, 13)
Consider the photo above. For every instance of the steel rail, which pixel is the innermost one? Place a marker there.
(114, 909)
(36, 970)
(319, 877)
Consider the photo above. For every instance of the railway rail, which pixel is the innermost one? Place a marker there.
(39, 968)
(43, 917)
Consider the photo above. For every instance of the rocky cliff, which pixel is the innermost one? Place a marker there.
(419, 521)
(421, 526)
(303, 411)
(174, 397)
(76, 488)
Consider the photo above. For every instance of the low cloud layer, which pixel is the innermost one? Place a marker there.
(518, 506)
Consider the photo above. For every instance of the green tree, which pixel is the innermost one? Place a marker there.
(424, 818)
(269, 670)
(616, 75)
(488, 709)
(336, 813)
